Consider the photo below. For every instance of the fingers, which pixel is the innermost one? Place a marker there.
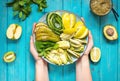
(32, 49)
(90, 43)
(90, 39)
(33, 27)
(90, 35)
(31, 41)
(82, 19)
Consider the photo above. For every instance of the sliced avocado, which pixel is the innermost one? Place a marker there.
(110, 32)
(9, 57)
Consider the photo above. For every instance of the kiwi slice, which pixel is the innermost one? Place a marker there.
(9, 57)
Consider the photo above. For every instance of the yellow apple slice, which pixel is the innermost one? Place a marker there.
(14, 32)
(18, 32)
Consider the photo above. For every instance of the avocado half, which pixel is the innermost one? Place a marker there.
(9, 57)
(110, 32)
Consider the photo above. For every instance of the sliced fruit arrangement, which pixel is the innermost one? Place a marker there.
(95, 54)
(110, 32)
(9, 57)
(14, 32)
(61, 38)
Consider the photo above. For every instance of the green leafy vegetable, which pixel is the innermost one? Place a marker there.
(43, 47)
(41, 4)
(22, 8)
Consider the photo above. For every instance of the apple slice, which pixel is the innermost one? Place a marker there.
(14, 31)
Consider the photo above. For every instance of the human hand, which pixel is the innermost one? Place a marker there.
(90, 41)
(90, 44)
(34, 52)
(82, 64)
(83, 61)
(89, 47)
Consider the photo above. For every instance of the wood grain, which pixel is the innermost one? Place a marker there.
(107, 69)
(3, 41)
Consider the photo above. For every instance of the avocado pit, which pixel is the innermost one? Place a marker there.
(110, 31)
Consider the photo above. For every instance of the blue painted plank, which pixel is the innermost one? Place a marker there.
(18, 46)
(67, 5)
(55, 72)
(30, 63)
(23, 68)
(92, 22)
(53, 5)
(75, 7)
(3, 41)
(118, 47)
(70, 72)
(109, 50)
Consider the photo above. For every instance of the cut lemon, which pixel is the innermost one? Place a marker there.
(82, 31)
(14, 31)
(79, 24)
(68, 20)
(69, 31)
(72, 20)
(95, 54)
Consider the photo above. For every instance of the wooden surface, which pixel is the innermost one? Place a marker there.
(108, 69)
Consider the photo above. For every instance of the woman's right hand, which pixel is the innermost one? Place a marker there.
(35, 53)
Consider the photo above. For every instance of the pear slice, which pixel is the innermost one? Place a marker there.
(14, 32)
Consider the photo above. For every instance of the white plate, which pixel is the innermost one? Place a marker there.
(60, 12)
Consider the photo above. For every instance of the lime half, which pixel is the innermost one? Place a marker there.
(95, 54)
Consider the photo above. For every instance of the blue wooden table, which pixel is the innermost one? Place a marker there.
(108, 69)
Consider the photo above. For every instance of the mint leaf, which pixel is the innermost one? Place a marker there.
(22, 8)
(16, 7)
(22, 3)
(20, 15)
(23, 17)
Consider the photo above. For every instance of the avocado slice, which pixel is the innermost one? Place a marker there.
(110, 32)
(9, 57)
